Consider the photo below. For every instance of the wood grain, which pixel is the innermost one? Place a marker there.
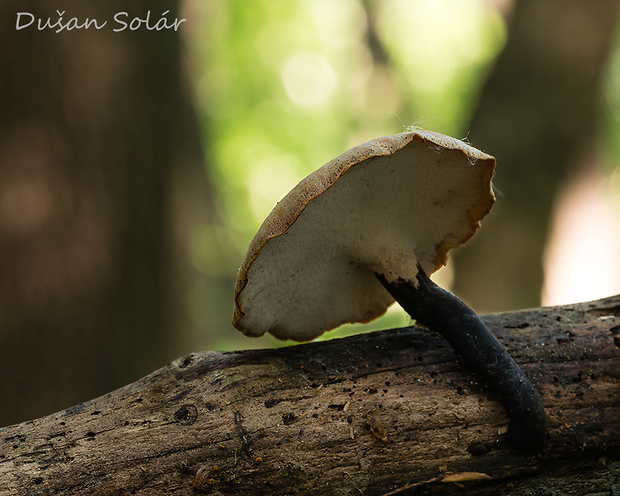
(389, 412)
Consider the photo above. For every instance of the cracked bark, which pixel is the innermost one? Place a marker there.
(389, 412)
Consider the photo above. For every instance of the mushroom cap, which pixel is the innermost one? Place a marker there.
(381, 207)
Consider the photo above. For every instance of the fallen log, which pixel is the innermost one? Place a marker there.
(390, 412)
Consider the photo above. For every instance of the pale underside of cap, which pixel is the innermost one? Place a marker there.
(381, 207)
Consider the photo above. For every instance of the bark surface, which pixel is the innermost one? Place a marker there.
(391, 412)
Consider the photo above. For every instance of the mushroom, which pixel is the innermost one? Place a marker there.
(368, 228)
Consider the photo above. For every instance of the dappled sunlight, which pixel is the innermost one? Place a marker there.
(438, 46)
(339, 25)
(284, 90)
(303, 80)
(284, 87)
(272, 177)
(381, 98)
(308, 79)
(582, 260)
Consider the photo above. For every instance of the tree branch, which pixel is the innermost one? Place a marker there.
(375, 414)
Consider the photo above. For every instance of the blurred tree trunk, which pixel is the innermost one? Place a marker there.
(538, 116)
(95, 137)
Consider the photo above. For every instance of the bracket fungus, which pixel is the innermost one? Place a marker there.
(368, 228)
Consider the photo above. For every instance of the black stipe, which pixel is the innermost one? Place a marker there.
(441, 311)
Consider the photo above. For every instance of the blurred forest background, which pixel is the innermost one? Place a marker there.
(136, 166)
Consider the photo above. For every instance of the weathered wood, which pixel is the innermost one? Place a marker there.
(383, 413)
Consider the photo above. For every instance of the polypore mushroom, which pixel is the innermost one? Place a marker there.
(366, 229)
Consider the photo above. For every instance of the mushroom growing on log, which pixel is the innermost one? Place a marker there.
(368, 228)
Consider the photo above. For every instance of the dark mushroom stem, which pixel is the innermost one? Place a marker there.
(441, 311)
